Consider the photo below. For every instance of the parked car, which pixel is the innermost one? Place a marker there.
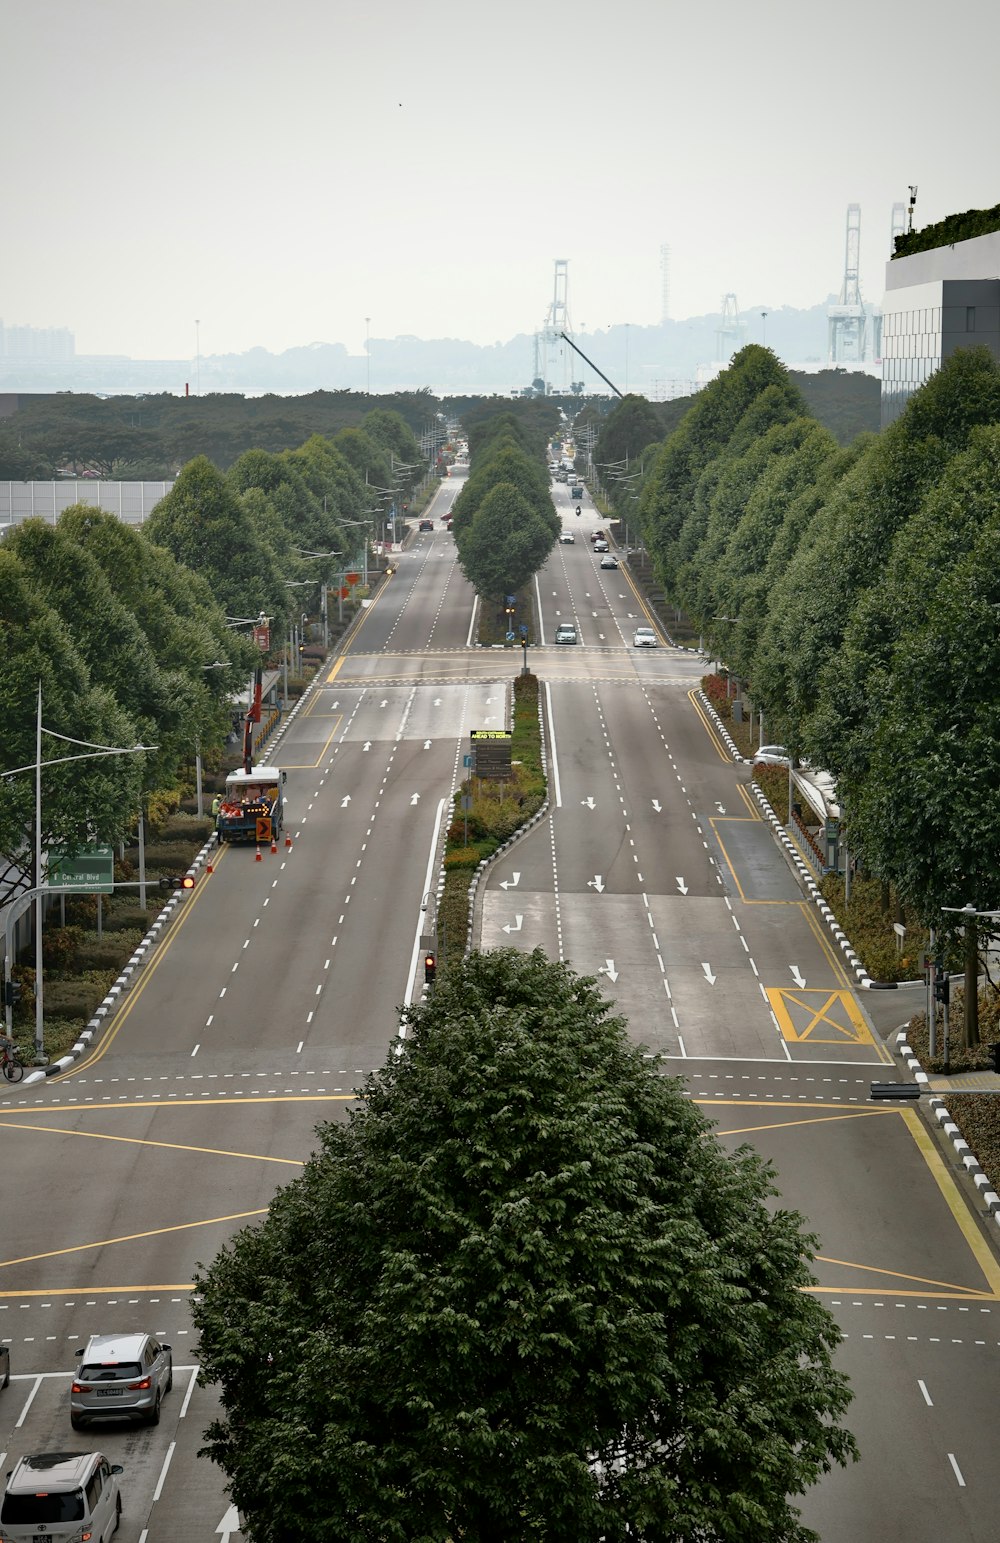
(644, 637)
(121, 1377)
(609, 560)
(565, 632)
(773, 755)
(61, 1497)
(567, 538)
(4, 1365)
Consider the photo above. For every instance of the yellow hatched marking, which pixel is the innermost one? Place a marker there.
(820, 1017)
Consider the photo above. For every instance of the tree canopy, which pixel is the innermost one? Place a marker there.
(522, 1293)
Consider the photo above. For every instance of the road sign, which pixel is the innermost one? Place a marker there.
(510, 637)
(91, 871)
(490, 752)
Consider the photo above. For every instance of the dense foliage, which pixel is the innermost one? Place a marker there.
(955, 227)
(505, 523)
(523, 1293)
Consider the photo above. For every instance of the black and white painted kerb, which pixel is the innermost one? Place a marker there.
(963, 1151)
(801, 868)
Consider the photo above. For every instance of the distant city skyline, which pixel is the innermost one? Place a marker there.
(214, 175)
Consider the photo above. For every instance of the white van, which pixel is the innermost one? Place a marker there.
(61, 1497)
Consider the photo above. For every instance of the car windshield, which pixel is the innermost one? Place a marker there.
(111, 1372)
(42, 1509)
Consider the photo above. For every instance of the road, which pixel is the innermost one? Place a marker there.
(279, 987)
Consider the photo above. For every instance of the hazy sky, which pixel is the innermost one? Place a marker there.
(280, 171)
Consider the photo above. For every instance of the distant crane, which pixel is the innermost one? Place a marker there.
(898, 226)
(555, 326)
(846, 321)
(731, 333)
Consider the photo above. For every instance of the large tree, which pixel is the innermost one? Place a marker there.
(507, 542)
(523, 1294)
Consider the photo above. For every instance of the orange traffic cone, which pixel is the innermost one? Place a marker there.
(258, 857)
(274, 847)
(288, 841)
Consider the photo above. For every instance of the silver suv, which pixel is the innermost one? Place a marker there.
(121, 1377)
(61, 1497)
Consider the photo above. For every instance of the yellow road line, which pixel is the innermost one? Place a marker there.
(709, 727)
(829, 1119)
(882, 1291)
(134, 1237)
(83, 1291)
(125, 1009)
(956, 1205)
(169, 1146)
(874, 1269)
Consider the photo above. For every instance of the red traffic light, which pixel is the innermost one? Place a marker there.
(430, 967)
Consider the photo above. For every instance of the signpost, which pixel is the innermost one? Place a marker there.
(90, 872)
(490, 752)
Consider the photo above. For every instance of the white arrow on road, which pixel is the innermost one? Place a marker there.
(589, 802)
(345, 800)
(608, 969)
(681, 884)
(384, 702)
(721, 808)
(708, 974)
(367, 745)
(415, 799)
(437, 701)
(510, 883)
(427, 744)
(597, 883)
(657, 805)
(797, 975)
(229, 1524)
(514, 926)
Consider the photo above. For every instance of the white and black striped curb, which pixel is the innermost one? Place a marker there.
(802, 869)
(963, 1151)
(814, 892)
(112, 1001)
(731, 745)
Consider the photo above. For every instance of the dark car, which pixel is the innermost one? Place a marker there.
(426, 525)
(4, 1365)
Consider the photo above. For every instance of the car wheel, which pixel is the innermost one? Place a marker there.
(118, 1514)
(153, 1417)
(76, 1422)
(170, 1376)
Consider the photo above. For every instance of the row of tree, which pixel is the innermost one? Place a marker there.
(152, 436)
(857, 591)
(139, 636)
(504, 521)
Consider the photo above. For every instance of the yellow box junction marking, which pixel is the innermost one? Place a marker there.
(819, 1016)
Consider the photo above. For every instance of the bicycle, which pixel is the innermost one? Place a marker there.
(10, 1061)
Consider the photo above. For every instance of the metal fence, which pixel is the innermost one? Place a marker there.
(133, 502)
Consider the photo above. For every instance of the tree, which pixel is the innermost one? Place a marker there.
(523, 1294)
(505, 545)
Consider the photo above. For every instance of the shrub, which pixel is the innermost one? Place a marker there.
(187, 827)
(109, 953)
(61, 947)
(129, 917)
(73, 998)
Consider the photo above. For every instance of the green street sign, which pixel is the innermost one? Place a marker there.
(91, 871)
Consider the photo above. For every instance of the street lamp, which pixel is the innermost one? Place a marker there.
(92, 752)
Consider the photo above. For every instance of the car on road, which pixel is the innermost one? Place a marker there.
(597, 535)
(644, 637)
(426, 525)
(121, 1377)
(4, 1365)
(600, 546)
(609, 560)
(576, 490)
(565, 632)
(61, 1497)
(773, 755)
(567, 538)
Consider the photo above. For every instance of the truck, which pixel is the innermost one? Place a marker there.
(251, 806)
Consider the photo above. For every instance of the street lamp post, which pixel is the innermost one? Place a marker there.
(93, 752)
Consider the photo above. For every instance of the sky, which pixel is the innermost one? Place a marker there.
(210, 176)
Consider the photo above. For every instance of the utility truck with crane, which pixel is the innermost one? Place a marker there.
(252, 805)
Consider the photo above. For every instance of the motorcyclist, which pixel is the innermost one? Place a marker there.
(578, 509)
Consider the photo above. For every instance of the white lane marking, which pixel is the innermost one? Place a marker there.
(195, 1051)
(411, 976)
(158, 1491)
(958, 1471)
(27, 1404)
(189, 1392)
(927, 1397)
(553, 754)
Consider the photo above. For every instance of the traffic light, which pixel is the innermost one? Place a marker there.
(430, 968)
(177, 881)
(942, 986)
(11, 992)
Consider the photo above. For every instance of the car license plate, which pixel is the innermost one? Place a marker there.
(109, 1392)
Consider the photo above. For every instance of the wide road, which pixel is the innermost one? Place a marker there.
(279, 987)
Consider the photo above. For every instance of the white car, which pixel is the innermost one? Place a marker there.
(567, 538)
(772, 755)
(644, 637)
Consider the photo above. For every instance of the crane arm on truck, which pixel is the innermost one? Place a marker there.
(252, 717)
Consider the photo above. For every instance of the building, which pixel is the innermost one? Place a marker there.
(936, 302)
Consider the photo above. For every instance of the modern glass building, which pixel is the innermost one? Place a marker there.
(936, 302)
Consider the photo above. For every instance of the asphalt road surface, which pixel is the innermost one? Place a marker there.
(280, 984)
